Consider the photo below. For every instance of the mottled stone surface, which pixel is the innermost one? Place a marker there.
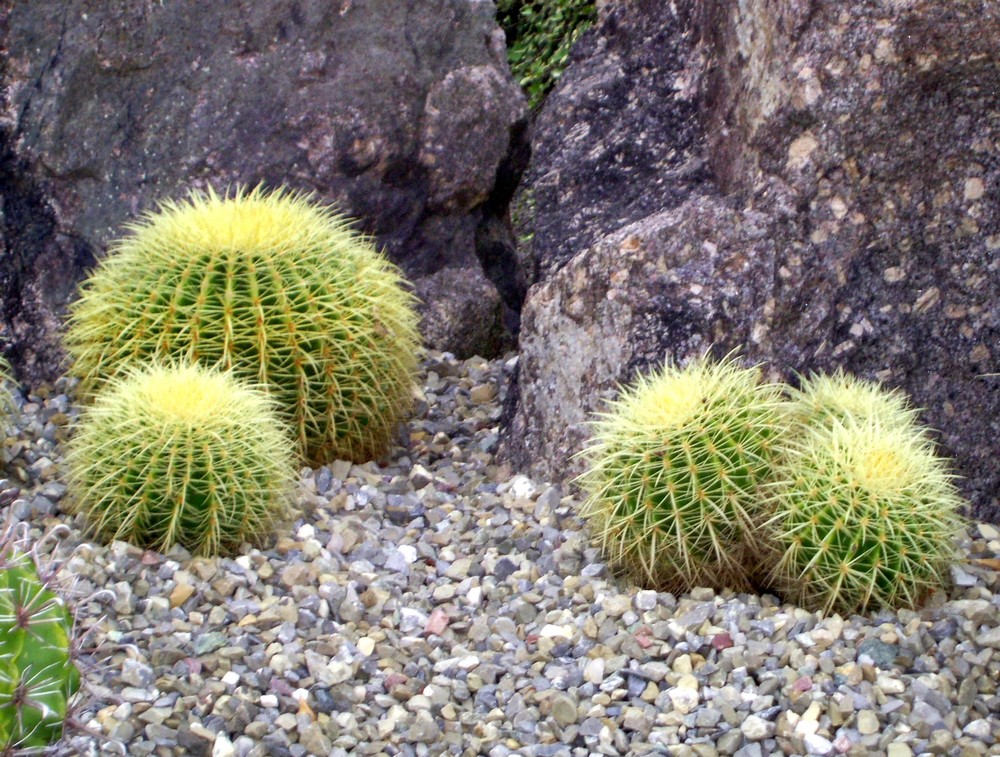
(404, 114)
(617, 140)
(854, 224)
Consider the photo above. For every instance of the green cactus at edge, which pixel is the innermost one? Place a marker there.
(273, 286)
(864, 512)
(674, 470)
(180, 454)
(38, 676)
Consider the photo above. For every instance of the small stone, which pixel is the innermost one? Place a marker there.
(684, 696)
(423, 729)
(645, 600)
(989, 638)
(138, 674)
(868, 723)
(593, 671)
(209, 642)
(816, 744)
(564, 710)
(979, 729)
(437, 622)
(890, 685)
(314, 740)
(296, 574)
(722, 641)
(882, 655)
(755, 728)
(180, 594)
(223, 747)
(899, 749)
(962, 577)
(482, 393)
(616, 605)
(551, 631)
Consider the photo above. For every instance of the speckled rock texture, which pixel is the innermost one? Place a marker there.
(617, 141)
(851, 220)
(404, 114)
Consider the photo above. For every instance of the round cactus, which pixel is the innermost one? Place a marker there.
(180, 454)
(823, 398)
(273, 286)
(673, 474)
(864, 514)
(38, 677)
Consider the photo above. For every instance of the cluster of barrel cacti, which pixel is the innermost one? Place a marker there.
(304, 336)
(831, 494)
(38, 674)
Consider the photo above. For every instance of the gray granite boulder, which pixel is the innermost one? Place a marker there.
(852, 219)
(405, 115)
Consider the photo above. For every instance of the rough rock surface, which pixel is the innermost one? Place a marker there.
(404, 114)
(618, 139)
(852, 221)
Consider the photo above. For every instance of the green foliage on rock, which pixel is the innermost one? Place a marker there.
(38, 676)
(674, 471)
(180, 454)
(273, 286)
(540, 34)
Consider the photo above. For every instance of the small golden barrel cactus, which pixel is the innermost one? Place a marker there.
(180, 454)
(273, 286)
(674, 470)
(864, 512)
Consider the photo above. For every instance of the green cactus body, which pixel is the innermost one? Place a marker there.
(38, 677)
(864, 515)
(180, 454)
(273, 286)
(6, 397)
(673, 474)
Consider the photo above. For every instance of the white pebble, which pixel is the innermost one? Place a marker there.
(755, 728)
(645, 600)
(522, 487)
(223, 747)
(816, 744)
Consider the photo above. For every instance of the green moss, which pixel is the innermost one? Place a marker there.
(539, 38)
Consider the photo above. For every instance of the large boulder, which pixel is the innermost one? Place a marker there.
(853, 220)
(405, 115)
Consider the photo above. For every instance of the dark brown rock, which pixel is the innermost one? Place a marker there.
(404, 114)
(854, 222)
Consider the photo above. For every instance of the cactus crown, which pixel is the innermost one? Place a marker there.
(184, 394)
(273, 286)
(841, 396)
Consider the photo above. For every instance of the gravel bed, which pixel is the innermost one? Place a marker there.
(436, 604)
